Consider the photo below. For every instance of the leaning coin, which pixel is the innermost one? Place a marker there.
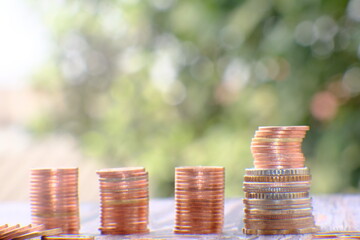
(48, 232)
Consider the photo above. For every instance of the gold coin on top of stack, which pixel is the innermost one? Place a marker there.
(54, 198)
(199, 197)
(124, 201)
(277, 197)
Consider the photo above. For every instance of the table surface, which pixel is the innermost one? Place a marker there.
(332, 213)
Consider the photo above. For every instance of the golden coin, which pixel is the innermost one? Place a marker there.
(291, 195)
(273, 224)
(281, 232)
(288, 178)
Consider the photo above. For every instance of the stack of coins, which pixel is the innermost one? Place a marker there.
(54, 199)
(278, 147)
(124, 201)
(277, 190)
(199, 196)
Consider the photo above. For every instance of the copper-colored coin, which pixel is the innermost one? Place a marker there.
(337, 235)
(275, 155)
(278, 135)
(277, 207)
(260, 211)
(279, 167)
(281, 232)
(278, 223)
(18, 232)
(285, 128)
(268, 140)
(33, 234)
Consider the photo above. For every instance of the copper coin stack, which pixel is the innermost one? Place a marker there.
(54, 199)
(124, 201)
(199, 196)
(277, 197)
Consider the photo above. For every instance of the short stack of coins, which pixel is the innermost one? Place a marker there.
(199, 197)
(124, 201)
(54, 199)
(277, 197)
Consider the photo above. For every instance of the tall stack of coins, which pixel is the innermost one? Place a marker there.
(199, 196)
(54, 199)
(277, 197)
(124, 201)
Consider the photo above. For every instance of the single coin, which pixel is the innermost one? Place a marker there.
(259, 211)
(274, 172)
(262, 139)
(276, 190)
(288, 178)
(293, 195)
(296, 201)
(68, 236)
(285, 128)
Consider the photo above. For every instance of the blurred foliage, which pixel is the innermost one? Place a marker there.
(166, 83)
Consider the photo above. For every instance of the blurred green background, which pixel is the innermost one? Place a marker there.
(166, 83)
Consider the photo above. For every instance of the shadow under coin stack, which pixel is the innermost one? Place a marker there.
(277, 190)
(54, 199)
(199, 196)
(124, 201)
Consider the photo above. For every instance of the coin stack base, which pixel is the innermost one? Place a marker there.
(277, 199)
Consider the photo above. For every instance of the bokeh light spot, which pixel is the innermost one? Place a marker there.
(351, 80)
(324, 106)
(353, 10)
(304, 33)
